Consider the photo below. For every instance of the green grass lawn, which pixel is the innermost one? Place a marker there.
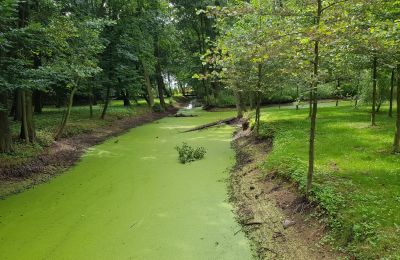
(357, 181)
(48, 122)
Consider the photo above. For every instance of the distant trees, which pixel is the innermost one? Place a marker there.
(99, 50)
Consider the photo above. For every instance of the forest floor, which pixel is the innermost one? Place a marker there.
(273, 214)
(30, 165)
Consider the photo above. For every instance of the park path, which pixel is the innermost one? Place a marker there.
(129, 198)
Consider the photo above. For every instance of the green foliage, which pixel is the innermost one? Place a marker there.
(356, 180)
(187, 154)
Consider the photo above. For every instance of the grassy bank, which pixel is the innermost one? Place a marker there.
(358, 178)
(80, 121)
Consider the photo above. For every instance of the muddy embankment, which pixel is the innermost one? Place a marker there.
(273, 215)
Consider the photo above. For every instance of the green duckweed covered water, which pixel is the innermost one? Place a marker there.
(130, 198)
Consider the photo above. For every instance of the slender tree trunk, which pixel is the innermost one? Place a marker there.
(313, 119)
(337, 92)
(310, 101)
(107, 101)
(396, 146)
(159, 77)
(298, 97)
(24, 124)
(91, 105)
(374, 84)
(391, 93)
(160, 88)
(239, 107)
(66, 115)
(127, 102)
(149, 90)
(5, 132)
(258, 113)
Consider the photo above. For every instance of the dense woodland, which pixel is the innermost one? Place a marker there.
(61, 53)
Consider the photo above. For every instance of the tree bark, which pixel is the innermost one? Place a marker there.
(28, 132)
(337, 92)
(66, 115)
(5, 132)
(374, 84)
(396, 146)
(127, 102)
(159, 77)
(24, 123)
(258, 113)
(391, 94)
(150, 97)
(106, 102)
(239, 107)
(91, 105)
(314, 108)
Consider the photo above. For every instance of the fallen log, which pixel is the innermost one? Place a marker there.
(219, 122)
(184, 115)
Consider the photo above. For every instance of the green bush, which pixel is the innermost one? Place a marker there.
(189, 154)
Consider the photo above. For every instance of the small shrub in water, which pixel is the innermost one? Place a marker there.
(188, 154)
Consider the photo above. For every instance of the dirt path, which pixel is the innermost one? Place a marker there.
(270, 210)
(66, 152)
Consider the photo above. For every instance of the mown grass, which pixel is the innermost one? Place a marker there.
(80, 121)
(357, 182)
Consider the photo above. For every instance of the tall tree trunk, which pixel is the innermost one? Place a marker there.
(298, 97)
(159, 77)
(258, 113)
(91, 104)
(5, 132)
(66, 115)
(28, 132)
(337, 92)
(24, 123)
(313, 119)
(239, 107)
(106, 102)
(391, 93)
(37, 94)
(125, 95)
(374, 84)
(149, 90)
(396, 146)
(310, 102)
(160, 86)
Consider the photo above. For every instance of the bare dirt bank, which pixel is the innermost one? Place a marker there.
(272, 213)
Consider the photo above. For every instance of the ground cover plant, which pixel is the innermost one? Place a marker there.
(357, 180)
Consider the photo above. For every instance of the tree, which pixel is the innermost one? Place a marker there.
(75, 46)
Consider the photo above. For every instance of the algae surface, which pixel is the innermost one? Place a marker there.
(130, 198)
